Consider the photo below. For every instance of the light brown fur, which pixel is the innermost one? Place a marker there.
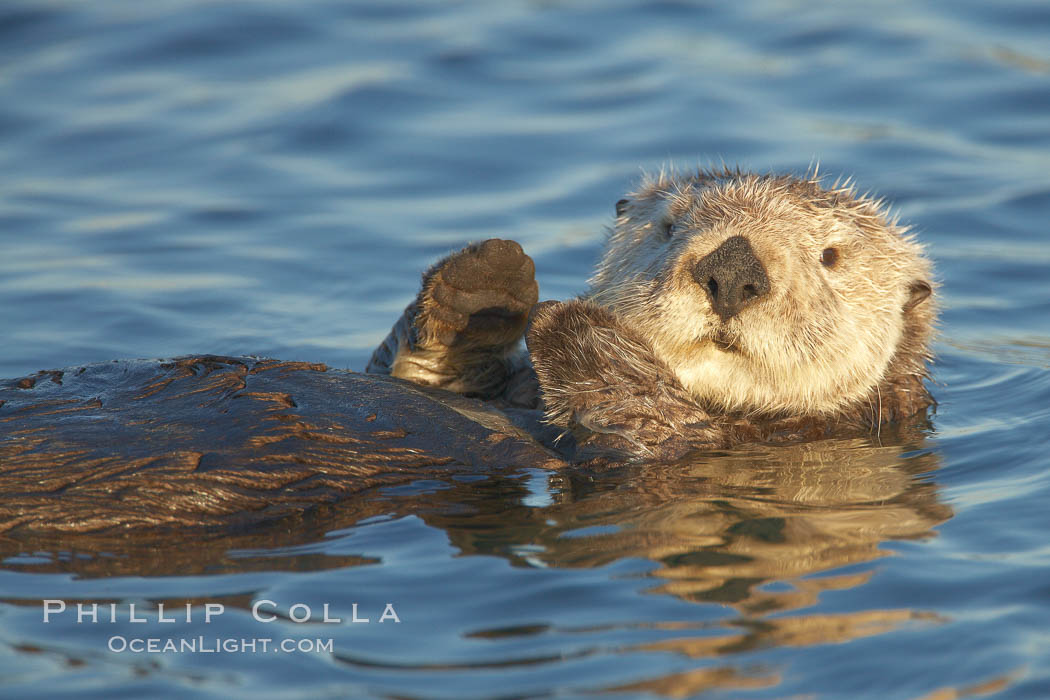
(644, 363)
(823, 339)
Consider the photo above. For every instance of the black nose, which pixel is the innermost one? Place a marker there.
(732, 276)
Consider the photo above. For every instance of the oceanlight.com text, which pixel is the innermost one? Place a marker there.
(217, 645)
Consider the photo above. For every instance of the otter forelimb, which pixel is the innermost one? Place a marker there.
(461, 330)
(597, 373)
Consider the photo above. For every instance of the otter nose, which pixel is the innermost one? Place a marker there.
(732, 276)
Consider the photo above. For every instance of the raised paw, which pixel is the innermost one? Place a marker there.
(479, 297)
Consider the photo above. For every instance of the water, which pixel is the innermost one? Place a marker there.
(269, 178)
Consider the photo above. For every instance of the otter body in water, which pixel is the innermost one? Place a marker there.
(726, 308)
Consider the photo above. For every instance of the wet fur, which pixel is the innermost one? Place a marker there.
(821, 341)
(461, 331)
(641, 363)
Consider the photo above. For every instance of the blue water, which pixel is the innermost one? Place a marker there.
(269, 178)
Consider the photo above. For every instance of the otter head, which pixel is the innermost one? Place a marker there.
(768, 294)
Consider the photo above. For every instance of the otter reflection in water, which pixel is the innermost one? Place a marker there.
(720, 529)
(720, 526)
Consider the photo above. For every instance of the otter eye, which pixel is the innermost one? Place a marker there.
(669, 228)
(830, 257)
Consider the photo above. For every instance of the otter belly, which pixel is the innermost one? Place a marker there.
(222, 441)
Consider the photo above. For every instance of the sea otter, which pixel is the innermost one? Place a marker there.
(726, 307)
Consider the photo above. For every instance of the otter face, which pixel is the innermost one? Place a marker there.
(767, 294)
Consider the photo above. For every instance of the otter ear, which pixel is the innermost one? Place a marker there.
(621, 206)
(917, 293)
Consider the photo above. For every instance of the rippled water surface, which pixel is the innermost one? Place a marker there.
(269, 178)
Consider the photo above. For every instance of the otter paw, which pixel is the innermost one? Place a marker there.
(574, 344)
(479, 297)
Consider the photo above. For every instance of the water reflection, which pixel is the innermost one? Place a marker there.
(762, 531)
(721, 526)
